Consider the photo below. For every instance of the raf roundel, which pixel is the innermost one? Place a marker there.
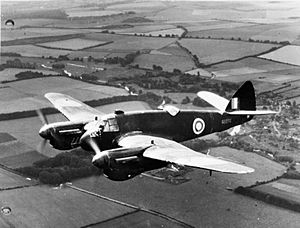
(198, 126)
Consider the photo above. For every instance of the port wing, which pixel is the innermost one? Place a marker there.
(167, 150)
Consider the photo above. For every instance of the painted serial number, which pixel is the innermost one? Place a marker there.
(226, 121)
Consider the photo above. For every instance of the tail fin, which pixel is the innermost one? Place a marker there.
(243, 99)
(243, 102)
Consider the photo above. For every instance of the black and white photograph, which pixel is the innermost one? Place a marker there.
(155, 114)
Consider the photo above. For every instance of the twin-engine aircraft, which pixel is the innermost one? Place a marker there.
(126, 144)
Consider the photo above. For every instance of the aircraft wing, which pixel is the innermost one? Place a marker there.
(167, 150)
(71, 108)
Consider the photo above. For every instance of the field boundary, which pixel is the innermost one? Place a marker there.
(245, 57)
(268, 198)
(68, 49)
(128, 205)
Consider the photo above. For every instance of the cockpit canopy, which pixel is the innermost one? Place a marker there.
(110, 125)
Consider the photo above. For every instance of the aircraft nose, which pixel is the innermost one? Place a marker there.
(44, 132)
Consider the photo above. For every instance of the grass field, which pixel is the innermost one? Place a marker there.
(72, 44)
(285, 188)
(41, 206)
(256, 69)
(257, 63)
(20, 22)
(164, 32)
(139, 219)
(145, 28)
(90, 12)
(5, 137)
(244, 32)
(285, 33)
(87, 53)
(10, 180)
(13, 148)
(34, 51)
(212, 51)
(28, 94)
(194, 29)
(174, 49)
(167, 62)
(13, 34)
(135, 43)
(22, 160)
(288, 54)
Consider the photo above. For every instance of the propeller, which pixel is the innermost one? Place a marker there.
(42, 117)
(90, 137)
(41, 146)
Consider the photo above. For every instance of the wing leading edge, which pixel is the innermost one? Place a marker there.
(71, 108)
(173, 152)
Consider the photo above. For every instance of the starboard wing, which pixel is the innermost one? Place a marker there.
(173, 152)
(71, 108)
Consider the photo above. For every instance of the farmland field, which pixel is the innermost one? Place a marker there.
(135, 43)
(137, 5)
(243, 32)
(284, 33)
(185, 201)
(164, 32)
(41, 206)
(212, 51)
(285, 188)
(90, 12)
(144, 28)
(199, 71)
(262, 72)
(28, 94)
(193, 30)
(9, 73)
(12, 34)
(87, 53)
(34, 51)
(167, 62)
(11, 180)
(22, 160)
(42, 22)
(257, 63)
(288, 54)
(5, 137)
(72, 44)
(13, 148)
(174, 49)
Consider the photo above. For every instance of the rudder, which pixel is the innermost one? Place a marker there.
(243, 98)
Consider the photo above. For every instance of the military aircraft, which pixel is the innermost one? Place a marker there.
(126, 144)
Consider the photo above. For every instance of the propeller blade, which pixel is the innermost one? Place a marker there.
(41, 146)
(91, 141)
(42, 117)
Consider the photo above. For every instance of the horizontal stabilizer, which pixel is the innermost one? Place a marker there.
(215, 100)
(252, 112)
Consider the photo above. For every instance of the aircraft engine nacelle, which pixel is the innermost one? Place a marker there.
(61, 141)
(62, 135)
(121, 163)
(125, 163)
